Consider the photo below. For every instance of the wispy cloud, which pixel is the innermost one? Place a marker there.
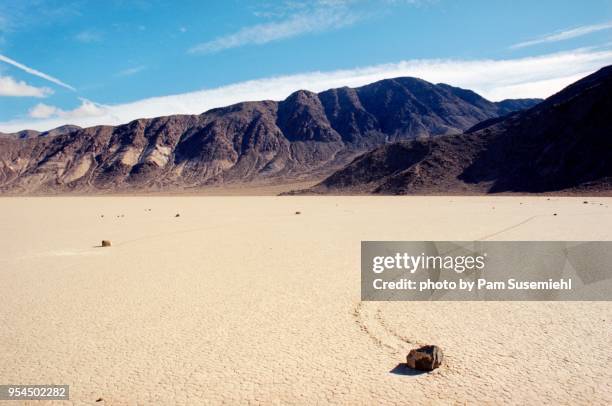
(303, 22)
(564, 35)
(18, 88)
(539, 76)
(35, 72)
(131, 71)
(291, 18)
(88, 36)
(19, 14)
(3, 23)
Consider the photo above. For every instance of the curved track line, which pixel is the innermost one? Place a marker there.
(371, 322)
(509, 228)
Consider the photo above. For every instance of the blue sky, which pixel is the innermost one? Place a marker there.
(108, 62)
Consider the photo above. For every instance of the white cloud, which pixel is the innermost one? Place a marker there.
(87, 109)
(564, 35)
(534, 89)
(12, 87)
(35, 72)
(42, 110)
(310, 21)
(131, 71)
(495, 79)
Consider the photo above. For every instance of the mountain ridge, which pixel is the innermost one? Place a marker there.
(305, 136)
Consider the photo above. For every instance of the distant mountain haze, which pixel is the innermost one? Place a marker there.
(306, 136)
(65, 129)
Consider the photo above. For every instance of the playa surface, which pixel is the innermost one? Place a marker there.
(240, 300)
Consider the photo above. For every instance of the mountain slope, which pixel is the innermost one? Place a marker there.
(305, 136)
(563, 143)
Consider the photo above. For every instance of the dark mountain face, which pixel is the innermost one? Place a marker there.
(306, 136)
(563, 143)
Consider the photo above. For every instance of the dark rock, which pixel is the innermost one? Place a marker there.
(106, 243)
(426, 358)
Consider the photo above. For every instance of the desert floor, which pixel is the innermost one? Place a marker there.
(240, 300)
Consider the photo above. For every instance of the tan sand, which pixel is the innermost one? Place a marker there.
(239, 300)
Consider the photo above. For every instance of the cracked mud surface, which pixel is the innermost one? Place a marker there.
(241, 301)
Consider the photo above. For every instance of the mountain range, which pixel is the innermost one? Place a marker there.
(563, 144)
(65, 129)
(306, 136)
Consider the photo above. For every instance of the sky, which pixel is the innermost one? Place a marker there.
(109, 62)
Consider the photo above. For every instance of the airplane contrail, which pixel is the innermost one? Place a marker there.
(35, 72)
(564, 35)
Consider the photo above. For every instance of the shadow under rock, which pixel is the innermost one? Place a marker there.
(403, 369)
